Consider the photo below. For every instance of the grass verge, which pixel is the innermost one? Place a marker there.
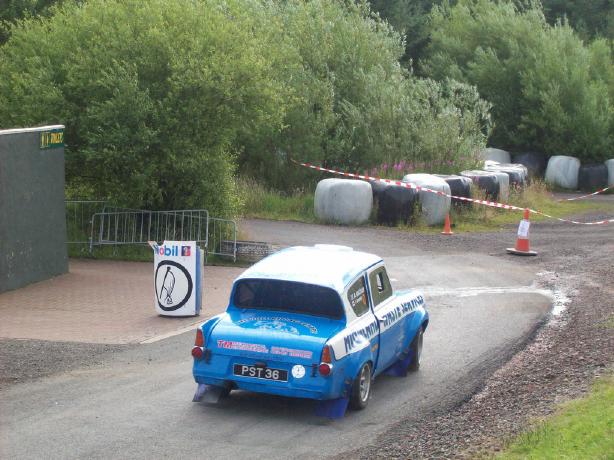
(262, 203)
(582, 429)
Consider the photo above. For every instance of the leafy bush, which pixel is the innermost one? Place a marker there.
(153, 95)
(353, 105)
(549, 91)
(164, 99)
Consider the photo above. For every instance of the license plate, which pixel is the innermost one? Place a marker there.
(264, 373)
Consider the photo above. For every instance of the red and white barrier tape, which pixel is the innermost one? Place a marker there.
(589, 195)
(492, 204)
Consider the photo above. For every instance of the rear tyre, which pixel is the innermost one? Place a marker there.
(416, 350)
(361, 388)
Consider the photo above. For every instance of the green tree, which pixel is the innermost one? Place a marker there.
(14, 10)
(590, 18)
(411, 18)
(549, 91)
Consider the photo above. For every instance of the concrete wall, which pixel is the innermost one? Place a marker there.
(32, 210)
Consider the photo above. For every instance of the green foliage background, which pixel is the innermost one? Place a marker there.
(164, 100)
(550, 91)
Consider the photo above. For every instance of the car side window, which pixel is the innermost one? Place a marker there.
(380, 286)
(357, 295)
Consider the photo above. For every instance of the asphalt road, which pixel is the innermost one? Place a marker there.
(137, 403)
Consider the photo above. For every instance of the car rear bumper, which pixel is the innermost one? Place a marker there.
(219, 371)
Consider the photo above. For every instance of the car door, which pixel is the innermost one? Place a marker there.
(364, 327)
(384, 308)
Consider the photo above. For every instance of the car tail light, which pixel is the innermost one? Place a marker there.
(325, 369)
(197, 352)
(200, 341)
(326, 366)
(326, 358)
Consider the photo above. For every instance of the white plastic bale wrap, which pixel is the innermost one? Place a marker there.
(610, 165)
(504, 186)
(498, 155)
(563, 171)
(434, 207)
(343, 201)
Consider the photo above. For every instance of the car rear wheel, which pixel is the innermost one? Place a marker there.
(361, 388)
(416, 350)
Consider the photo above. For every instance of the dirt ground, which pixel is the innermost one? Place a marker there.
(558, 364)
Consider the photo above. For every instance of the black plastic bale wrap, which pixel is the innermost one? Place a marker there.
(396, 204)
(377, 187)
(535, 162)
(592, 177)
(485, 181)
(459, 186)
(518, 173)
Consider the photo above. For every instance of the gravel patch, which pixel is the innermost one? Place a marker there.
(23, 360)
(559, 363)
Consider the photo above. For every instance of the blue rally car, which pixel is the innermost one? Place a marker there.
(311, 322)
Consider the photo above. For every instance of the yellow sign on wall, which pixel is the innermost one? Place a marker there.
(52, 139)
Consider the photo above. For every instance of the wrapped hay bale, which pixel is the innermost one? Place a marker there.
(498, 155)
(343, 201)
(485, 180)
(592, 177)
(434, 207)
(610, 165)
(533, 161)
(396, 204)
(459, 186)
(563, 171)
(518, 174)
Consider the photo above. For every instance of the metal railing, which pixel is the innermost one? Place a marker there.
(223, 237)
(95, 223)
(79, 219)
(139, 227)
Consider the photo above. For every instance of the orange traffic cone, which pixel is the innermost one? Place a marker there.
(446, 226)
(522, 242)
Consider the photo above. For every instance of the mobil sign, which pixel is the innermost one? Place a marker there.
(177, 278)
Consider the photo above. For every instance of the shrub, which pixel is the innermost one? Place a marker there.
(353, 106)
(153, 95)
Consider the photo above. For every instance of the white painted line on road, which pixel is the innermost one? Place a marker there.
(558, 297)
(479, 290)
(190, 327)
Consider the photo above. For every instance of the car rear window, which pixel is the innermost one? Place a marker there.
(288, 296)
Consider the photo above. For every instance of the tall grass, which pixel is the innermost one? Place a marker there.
(261, 202)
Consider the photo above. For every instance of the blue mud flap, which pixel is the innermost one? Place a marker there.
(332, 408)
(208, 393)
(400, 368)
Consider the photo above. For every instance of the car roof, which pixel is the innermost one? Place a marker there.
(323, 265)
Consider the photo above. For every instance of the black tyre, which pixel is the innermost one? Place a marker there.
(361, 388)
(416, 349)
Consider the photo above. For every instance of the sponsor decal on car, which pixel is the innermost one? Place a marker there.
(277, 323)
(233, 345)
(354, 339)
(396, 313)
(291, 352)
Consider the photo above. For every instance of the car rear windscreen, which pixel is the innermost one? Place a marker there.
(288, 296)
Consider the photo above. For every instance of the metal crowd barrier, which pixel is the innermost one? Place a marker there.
(139, 227)
(95, 223)
(79, 219)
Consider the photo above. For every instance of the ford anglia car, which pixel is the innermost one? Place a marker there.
(315, 322)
